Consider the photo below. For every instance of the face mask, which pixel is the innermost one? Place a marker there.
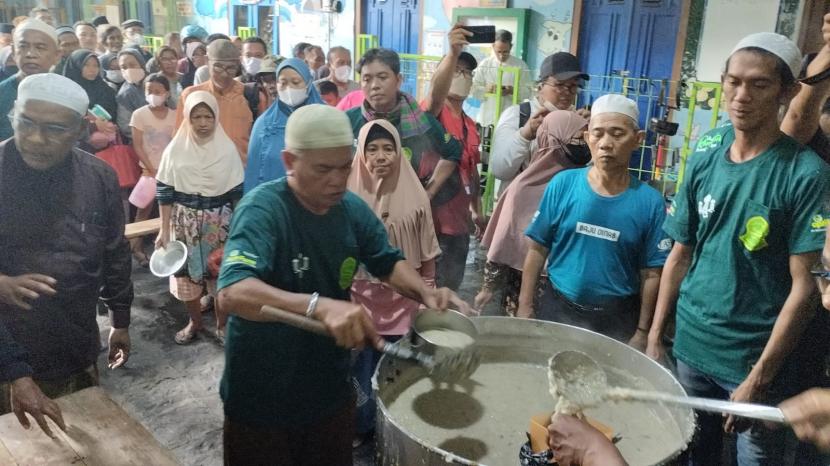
(343, 73)
(155, 100)
(133, 75)
(251, 64)
(115, 76)
(293, 97)
(578, 153)
(460, 86)
(137, 39)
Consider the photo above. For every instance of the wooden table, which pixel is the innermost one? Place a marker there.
(143, 228)
(98, 432)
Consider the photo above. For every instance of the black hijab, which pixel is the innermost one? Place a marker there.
(97, 90)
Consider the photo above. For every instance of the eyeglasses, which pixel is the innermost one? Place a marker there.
(227, 69)
(562, 87)
(51, 130)
(465, 73)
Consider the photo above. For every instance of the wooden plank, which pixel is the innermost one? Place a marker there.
(143, 228)
(98, 433)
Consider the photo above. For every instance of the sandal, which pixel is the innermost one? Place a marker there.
(220, 336)
(185, 336)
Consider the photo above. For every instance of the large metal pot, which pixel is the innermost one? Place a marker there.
(528, 343)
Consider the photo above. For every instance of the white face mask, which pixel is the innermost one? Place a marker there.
(133, 75)
(155, 100)
(343, 73)
(460, 86)
(293, 97)
(115, 76)
(137, 39)
(251, 64)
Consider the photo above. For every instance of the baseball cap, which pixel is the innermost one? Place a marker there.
(562, 66)
(269, 65)
(132, 23)
(99, 20)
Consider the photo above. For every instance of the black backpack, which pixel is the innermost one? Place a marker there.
(251, 92)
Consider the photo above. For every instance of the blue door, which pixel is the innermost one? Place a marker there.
(396, 25)
(394, 22)
(629, 39)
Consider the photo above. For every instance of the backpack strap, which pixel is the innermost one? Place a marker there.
(251, 93)
(524, 113)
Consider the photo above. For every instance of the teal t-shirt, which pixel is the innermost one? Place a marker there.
(599, 244)
(277, 375)
(743, 221)
(8, 94)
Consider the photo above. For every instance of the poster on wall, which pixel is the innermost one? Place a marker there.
(434, 43)
(184, 8)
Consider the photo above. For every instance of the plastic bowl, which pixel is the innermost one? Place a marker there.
(166, 261)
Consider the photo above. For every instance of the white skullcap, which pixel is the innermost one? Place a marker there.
(318, 126)
(776, 44)
(53, 88)
(34, 24)
(616, 103)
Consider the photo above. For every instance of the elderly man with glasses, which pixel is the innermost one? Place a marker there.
(62, 247)
(234, 113)
(515, 137)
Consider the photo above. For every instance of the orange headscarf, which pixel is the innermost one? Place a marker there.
(398, 200)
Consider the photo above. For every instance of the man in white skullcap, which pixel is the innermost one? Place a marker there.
(295, 244)
(35, 51)
(62, 248)
(748, 223)
(599, 229)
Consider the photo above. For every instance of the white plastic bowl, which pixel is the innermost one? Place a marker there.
(167, 261)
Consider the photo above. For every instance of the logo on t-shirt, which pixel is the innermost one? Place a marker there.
(755, 236)
(300, 265)
(819, 223)
(708, 142)
(706, 207)
(347, 270)
(664, 244)
(597, 231)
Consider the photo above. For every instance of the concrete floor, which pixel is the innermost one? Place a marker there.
(173, 390)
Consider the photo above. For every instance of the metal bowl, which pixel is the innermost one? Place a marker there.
(166, 261)
(430, 319)
(527, 344)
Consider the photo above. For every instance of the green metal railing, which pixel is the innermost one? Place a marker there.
(488, 196)
(245, 32)
(687, 136)
(153, 43)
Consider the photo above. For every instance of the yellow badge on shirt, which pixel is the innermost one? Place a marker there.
(755, 236)
(347, 270)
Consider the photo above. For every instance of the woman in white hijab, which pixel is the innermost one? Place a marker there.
(199, 182)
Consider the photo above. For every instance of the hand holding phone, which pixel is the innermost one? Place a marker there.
(481, 34)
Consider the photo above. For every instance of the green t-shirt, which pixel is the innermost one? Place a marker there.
(743, 221)
(277, 375)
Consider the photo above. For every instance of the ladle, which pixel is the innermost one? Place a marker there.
(455, 366)
(580, 380)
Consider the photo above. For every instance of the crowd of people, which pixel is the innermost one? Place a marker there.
(354, 203)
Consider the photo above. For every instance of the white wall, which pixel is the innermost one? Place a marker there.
(726, 22)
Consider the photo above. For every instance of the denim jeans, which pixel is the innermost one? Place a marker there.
(758, 445)
(363, 368)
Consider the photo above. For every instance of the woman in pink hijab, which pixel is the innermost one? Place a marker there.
(560, 146)
(387, 182)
